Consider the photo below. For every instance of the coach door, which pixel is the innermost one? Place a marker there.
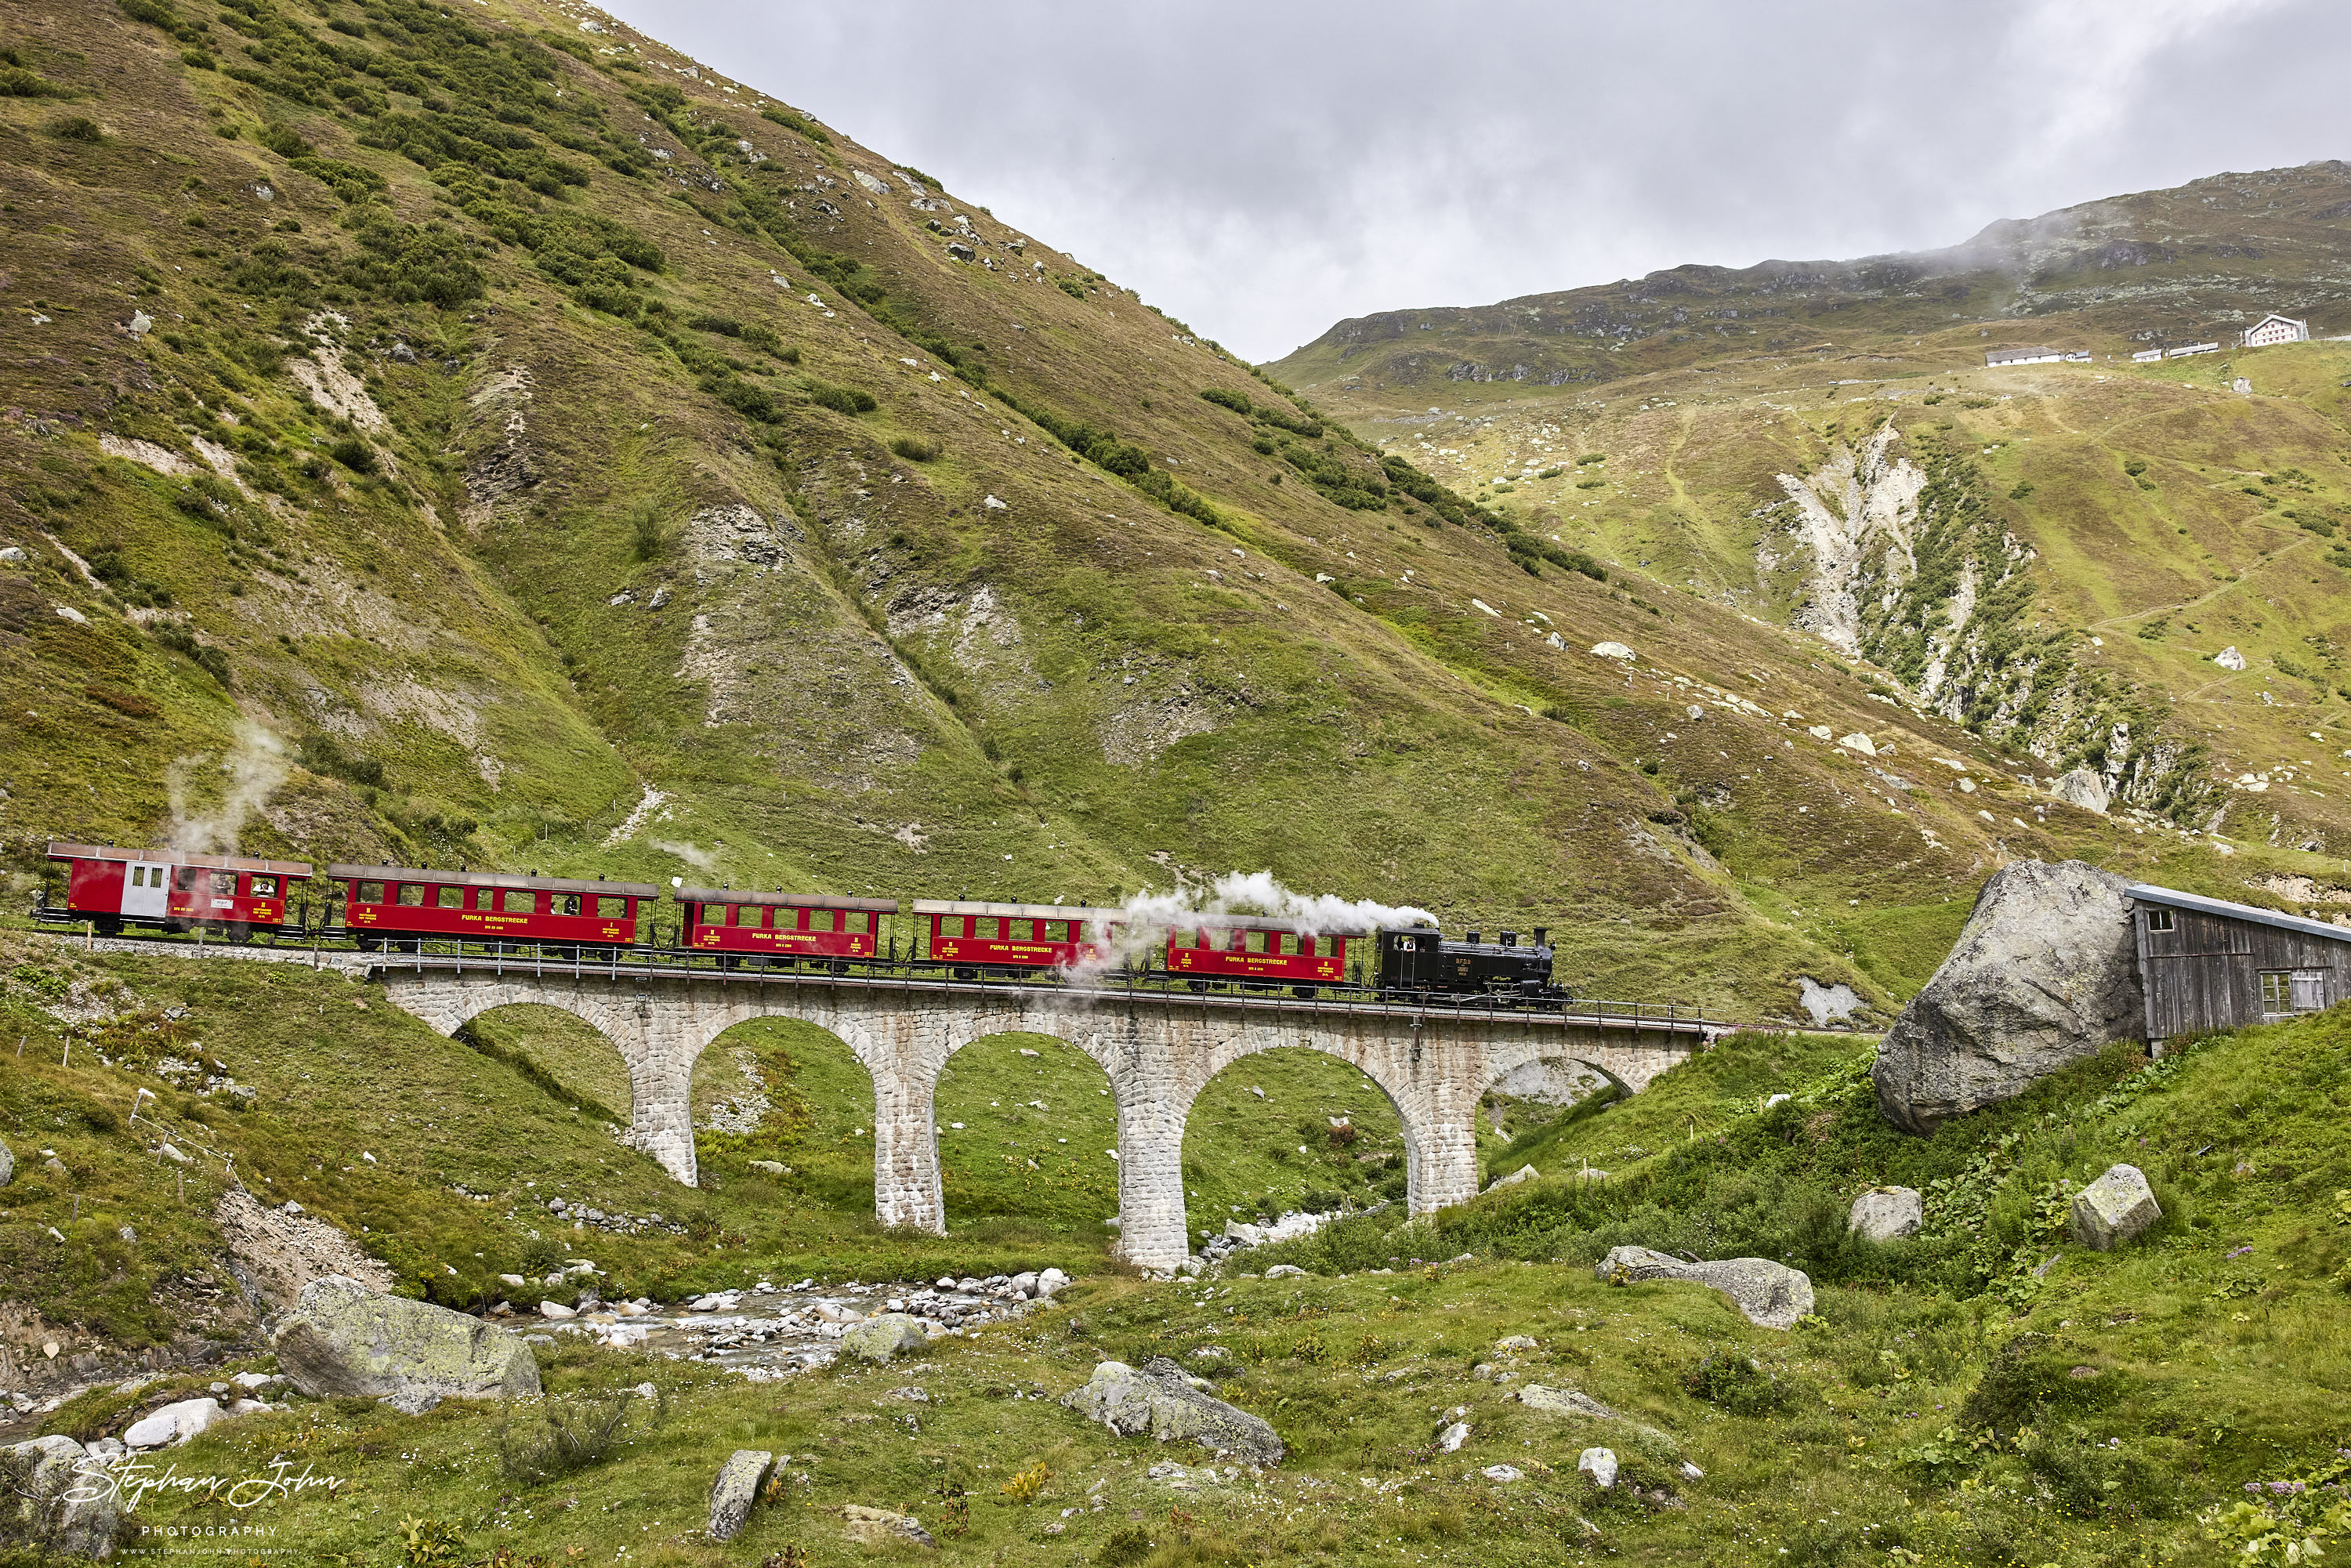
(143, 888)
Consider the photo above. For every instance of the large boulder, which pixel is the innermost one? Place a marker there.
(1158, 1398)
(343, 1338)
(1886, 1214)
(1769, 1295)
(8, 1166)
(48, 1501)
(2113, 1209)
(2084, 788)
(173, 1425)
(879, 1338)
(2045, 974)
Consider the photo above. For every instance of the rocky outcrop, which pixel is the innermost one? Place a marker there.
(46, 1503)
(1769, 1295)
(735, 1489)
(877, 1339)
(880, 1527)
(1161, 1400)
(2082, 788)
(2043, 974)
(1886, 1214)
(2113, 1209)
(343, 1338)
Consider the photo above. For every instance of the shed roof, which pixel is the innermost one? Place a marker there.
(488, 879)
(788, 900)
(1016, 910)
(62, 852)
(2225, 910)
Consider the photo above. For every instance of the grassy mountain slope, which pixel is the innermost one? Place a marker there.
(2052, 556)
(510, 465)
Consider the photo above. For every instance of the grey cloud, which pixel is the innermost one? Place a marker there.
(1262, 170)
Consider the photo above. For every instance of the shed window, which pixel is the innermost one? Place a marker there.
(2277, 991)
(2158, 920)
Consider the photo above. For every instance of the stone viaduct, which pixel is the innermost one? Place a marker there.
(1159, 1049)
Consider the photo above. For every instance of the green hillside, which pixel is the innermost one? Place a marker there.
(481, 484)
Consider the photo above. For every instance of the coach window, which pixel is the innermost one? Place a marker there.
(1020, 930)
(988, 927)
(449, 898)
(821, 920)
(223, 885)
(563, 904)
(858, 921)
(748, 916)
(610, 908)
(412, 895)
(369, 892)
(519, 901)
(265, 887)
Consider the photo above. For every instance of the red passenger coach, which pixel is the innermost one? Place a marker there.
(732, 923)
(1253, 947)
(113, 887)
(387, 902)
(1015, 935)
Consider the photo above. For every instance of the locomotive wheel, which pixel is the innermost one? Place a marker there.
(1303, 993)
(967, 974)
(1196, 984)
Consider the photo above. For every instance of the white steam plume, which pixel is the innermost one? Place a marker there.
(694, 855)
(254, 766)
(1143, 920)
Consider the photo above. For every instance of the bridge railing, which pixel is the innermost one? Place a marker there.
(544, 962)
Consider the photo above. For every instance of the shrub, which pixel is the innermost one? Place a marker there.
(915, 449)
(75, 128)
(15, 81)
(576, 1434)
(1071, 287)
(796, 122)
(842, 400)
(1026, 1485)
(324, 755)
(284, 140)
(1124, 1547)
(646, 536)
(724, 325)
(1237, 402)
(149, 12)
(1738, 1384)
(177, 637)
(354, 454)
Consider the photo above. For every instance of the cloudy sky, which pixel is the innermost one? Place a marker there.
(1261, 170)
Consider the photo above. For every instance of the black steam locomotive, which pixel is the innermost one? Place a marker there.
(1417, 961)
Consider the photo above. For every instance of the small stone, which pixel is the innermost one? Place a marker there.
(1563, 1402)
(734, 1490)
(516, 1281)
(879, 1527)
(1690, 1472)
(1524, 1173)
(2113, 1209)
(1515, 1342)
(412, 1401)
(770, 1167)
(993, 504)
(1886, 1214)
(1450, 1441)
(8, 1166)
(1503, 1473)
(1600, 1464)
(2084, 788)
(1285, 1272)
(1612, 651)
(555, 1309)
(2229, 659)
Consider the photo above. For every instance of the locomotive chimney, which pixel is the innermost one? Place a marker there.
(1543, 936)
(1509, 939)
(1470, 938)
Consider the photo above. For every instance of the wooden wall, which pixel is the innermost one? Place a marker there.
(2205, 973)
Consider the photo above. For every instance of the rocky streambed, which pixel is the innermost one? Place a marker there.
(769, 1330)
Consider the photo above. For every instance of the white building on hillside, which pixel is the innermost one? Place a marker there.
(2041, 356)
(2276, 329)
(2144, 355)
(2186, 348)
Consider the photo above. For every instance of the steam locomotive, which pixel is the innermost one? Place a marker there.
(421, 908)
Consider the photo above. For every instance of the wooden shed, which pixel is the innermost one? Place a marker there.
(2208, 963)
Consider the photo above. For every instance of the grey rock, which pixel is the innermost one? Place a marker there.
(402, 354)
(1024, 1285)
(414, 1401)
(1769, 1295)
(2228, 658)
(2113, 1209)
(1503, 1473)
(961, 251)
(1548, 1081)
(1157, 1399)
(8, 1166)
(1050, 1281)
(1828, 1004)
(735, 1489)
(877, 1339)
(1886, 1214)
(1563, 1402)
(1285, 1272)
(1524, 1173)
(2044, 974)
(1450, 1441)
(2082, 788)
(880, 1527)
(173, 1424)
(343, 1338)
(1515, 1342)
(13, 554)
(1600, 1464)
(44, 1501)
(772, 1167)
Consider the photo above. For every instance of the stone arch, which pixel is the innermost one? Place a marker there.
(738, 1067)
(1366, 1057)
(980, 1149)
(1332, 1081)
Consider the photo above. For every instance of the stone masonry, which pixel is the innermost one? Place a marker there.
(1159, 1052)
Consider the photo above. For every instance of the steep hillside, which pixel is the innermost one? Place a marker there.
(2057, 557)
(498, 439)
